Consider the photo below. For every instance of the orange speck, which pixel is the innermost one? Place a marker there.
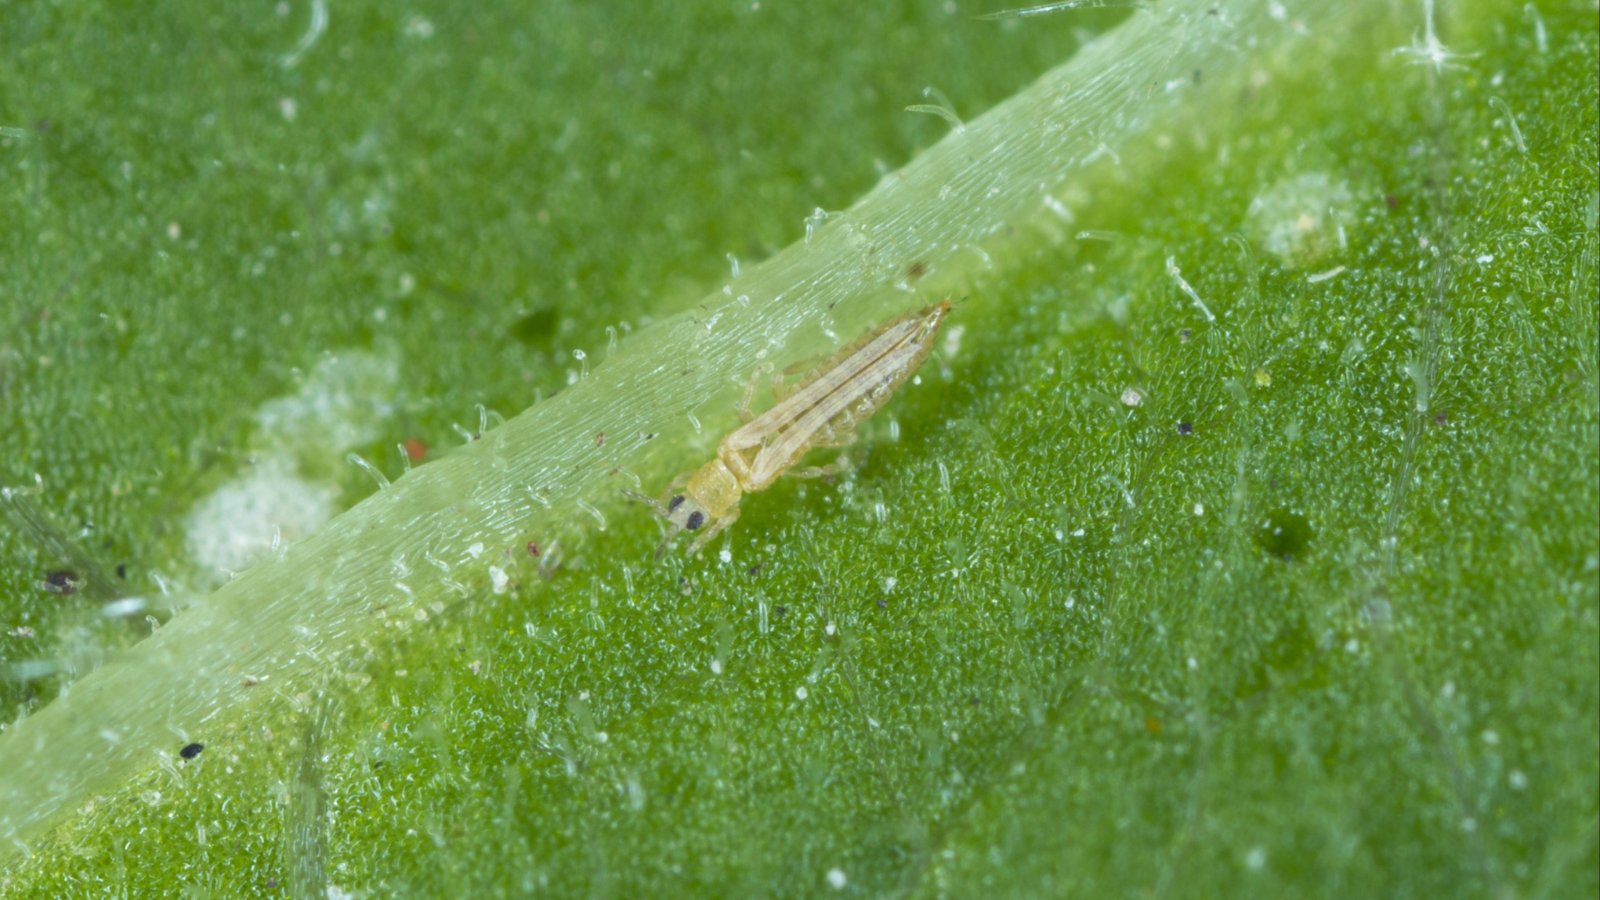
(415, 449)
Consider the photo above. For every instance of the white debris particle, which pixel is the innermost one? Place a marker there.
(726, 556)
(1132, 397)
(127, 606)
(1518, 780)
(716, 666)
(1199, 509)
(499, 580)
(801, 693)
(889, 583)
(288, 108)
(837, 879)
(476, 550)
(1256, 859)
(237, 524)
(1193, 664)
(829, 629)
(1485, 258)
(1319, 277)
(1491, 737)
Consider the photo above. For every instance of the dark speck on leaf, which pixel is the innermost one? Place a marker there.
(1442, 417)
(122, 571)
(1184, 428)
(779, 612)
(882, 603)
(62, 581)
(1184, 335)
(190, 751)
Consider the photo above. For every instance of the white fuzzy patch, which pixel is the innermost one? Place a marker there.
(1303, 219)
(342, 404)
(236, 524)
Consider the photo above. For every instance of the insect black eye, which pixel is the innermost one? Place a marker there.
(674, 502)
(696, 519)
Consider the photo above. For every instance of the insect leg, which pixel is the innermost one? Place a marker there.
(832, 440)
(834, 468)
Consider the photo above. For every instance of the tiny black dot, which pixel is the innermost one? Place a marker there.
(696, 519)
(190, 751)
(122, 571)
(1185, 428)
(780, 611)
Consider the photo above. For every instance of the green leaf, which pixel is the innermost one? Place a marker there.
(1242, 536)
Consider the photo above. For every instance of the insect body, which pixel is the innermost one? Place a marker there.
(822, 412)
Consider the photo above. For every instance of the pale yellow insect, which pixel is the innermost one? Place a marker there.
(822, 412)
